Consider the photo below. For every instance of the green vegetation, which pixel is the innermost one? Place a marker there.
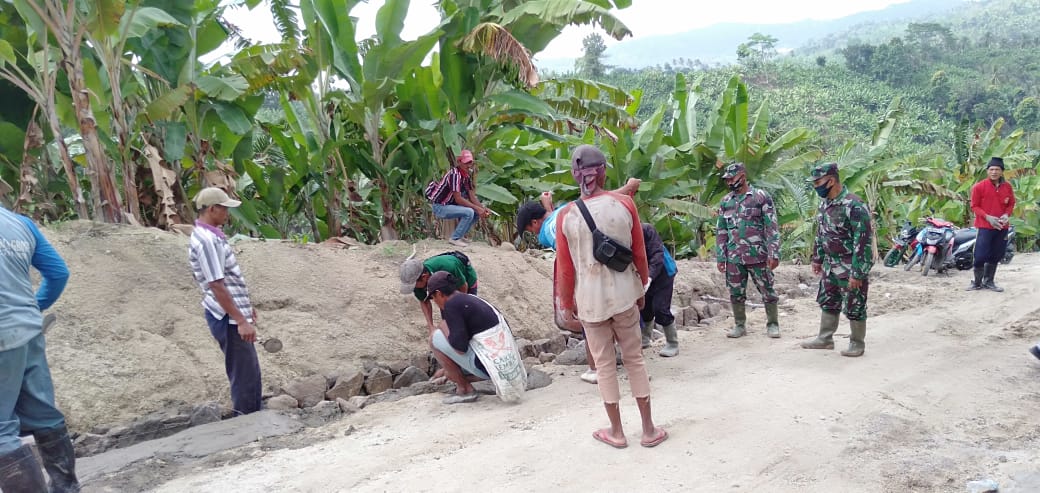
(912, 119)
(111, 116)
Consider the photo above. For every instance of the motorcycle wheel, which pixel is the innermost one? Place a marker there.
(928, 259)
(1008, 255)
(892, 257)
(913, 261)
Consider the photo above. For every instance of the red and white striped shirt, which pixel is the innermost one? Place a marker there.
(456, 180)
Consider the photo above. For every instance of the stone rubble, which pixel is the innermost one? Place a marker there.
(320, 398)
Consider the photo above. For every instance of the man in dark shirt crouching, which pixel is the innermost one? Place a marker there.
(463, 315)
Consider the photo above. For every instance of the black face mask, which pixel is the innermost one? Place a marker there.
(823, 190)
(737, 185)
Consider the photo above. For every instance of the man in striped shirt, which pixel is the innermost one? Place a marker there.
(228, 311)
(456, 198)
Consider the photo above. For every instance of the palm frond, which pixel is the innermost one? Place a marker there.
(285, 20)
(920, 187)
(689, 208)
(493, 40)
(568, 12)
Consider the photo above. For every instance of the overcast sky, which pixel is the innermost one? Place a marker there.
(644, 18)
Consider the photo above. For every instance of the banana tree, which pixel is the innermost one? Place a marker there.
(65, 25)
(110, 73)
(199, 119)
(32, 68)
(372, 81)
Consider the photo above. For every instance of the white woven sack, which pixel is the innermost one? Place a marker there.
(497, 350)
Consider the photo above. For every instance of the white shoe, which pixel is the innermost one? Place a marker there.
(589, 376)
(459, 242)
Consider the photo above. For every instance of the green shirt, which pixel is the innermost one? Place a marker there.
(448, 263)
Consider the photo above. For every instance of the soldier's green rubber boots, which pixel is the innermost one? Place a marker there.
(828, 326)
(671, 337)
(772, 320)
(647, 331)
(739, 321)
(856, 339)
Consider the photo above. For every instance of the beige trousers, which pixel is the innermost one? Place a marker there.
(600, 336)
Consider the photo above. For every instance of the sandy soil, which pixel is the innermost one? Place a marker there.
(131, 338)
(946, 393)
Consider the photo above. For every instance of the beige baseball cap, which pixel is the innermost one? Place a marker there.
(411, 269)
(215, 196)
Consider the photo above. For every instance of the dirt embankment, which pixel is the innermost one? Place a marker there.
(946, 393)
(131, 338)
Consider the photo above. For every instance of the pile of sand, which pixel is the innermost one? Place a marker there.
(131, 338)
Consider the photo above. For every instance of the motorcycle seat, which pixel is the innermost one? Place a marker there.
(966, 234)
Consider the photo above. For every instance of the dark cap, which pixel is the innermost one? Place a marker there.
(732, 170)
(995, 161)
(442, 281)
(527, 213)
(586, 156)
(821, 170)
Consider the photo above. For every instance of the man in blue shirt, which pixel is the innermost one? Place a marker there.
(536, 218)
(26, 390)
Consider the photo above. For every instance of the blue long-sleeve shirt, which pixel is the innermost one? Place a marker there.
(23, 246)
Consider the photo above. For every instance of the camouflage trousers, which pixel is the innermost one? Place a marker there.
(835, 293)
(737, 277)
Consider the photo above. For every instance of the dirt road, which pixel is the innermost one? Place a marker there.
(946, 394)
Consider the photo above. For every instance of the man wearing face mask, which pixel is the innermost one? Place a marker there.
(992, 201)
(842, 256)
(747, 244)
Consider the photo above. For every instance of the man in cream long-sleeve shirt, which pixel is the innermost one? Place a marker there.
(603, 300)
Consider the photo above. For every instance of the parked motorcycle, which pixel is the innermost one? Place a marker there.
(964, 248)
(903, 246)
(935, 246)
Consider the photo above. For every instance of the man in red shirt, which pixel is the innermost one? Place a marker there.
(992, 201)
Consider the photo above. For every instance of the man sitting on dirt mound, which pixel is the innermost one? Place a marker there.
(473, 337)
(416, 274)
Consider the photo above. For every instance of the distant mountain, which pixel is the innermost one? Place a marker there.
(718, 43)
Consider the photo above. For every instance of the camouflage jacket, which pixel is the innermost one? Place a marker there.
(746, 231)
(843, 234)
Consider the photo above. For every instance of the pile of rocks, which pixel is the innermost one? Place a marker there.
(320, 397)
(700, 314)
(351, 387)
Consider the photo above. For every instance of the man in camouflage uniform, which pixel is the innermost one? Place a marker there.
(842, 256)
(747, 244)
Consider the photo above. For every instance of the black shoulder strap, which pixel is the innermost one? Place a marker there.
(585, 213)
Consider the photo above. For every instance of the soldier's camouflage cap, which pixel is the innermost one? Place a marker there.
(732, 170)
(821, 170)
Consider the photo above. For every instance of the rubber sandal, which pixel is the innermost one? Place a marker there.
(656, 441)
(601, 436)
(461, 399)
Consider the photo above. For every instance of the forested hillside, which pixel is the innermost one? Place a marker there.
(324, 134)
(958, 90)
